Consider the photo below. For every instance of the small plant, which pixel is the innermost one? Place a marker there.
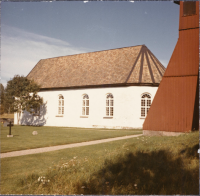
(43, 180)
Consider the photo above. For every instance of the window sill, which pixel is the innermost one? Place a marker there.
(142, 117)
(108, 117)
(59, 115)
(84, 116)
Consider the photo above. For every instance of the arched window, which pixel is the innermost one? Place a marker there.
(109, 104)
(60, 105)
(85, 105)
(145, 104)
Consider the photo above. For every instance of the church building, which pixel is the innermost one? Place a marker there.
(104, 89)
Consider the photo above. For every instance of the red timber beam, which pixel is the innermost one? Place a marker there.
(175, 107)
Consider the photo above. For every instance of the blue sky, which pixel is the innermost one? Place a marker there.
(31, 31)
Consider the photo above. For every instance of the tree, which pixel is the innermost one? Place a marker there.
(21, 94)
(2, 99)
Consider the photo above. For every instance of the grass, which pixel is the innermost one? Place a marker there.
(52, 136)
(137, 166)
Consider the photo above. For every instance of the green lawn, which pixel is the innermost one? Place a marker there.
(52, 136)
(137, 166)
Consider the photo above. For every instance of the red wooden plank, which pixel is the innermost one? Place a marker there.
(175, 106)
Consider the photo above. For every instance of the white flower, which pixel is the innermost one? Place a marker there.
(48, 180)
(38, 179)
(135, 184)
(42, 180)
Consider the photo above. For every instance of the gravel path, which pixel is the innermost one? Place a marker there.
(52, 148)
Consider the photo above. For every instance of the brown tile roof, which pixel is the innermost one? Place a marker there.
(130, 65)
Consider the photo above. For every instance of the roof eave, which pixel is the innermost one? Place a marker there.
(99, 86)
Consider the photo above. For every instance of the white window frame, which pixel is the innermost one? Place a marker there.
(85, 105)
(145, 104)
(109, 105)
(60, 105)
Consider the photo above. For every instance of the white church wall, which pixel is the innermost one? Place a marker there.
(127, 108)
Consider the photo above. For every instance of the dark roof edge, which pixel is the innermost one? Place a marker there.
(100, 86)
(177, 2)
(94, 51)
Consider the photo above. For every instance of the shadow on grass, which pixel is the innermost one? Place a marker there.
(192, 152)
(144, 173)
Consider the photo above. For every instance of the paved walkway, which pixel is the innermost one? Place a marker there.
(52, 148)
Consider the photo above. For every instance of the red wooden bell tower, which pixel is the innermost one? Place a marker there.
(175, 107)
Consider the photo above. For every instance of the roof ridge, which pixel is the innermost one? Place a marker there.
(149, 66)
(133, 67)
(94, 52)
(151, 56)
(146, 55)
